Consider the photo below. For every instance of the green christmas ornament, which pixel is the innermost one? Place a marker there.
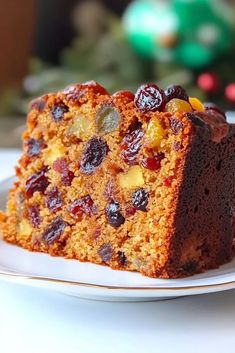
(192, 32)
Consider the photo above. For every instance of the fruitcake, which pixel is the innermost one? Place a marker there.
(140, 182)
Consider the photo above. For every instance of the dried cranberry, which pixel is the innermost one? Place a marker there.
(34, 216)
(150, 97)
(97, 233)
(214, 108)
(38, 104)
(127, 95)
(58, 111)
(53, 200)
(131, 145)
(122, 258)
(153, 163)
(168, 181)
(54, 231)
(94, 87)
(61, 166)
(113, 214)
(34, 147)
(140, 199)
(130, 211)
(36, 182)
(95, 151)
(105, 252)
(176, 91)
(84, 205)
(176, 125)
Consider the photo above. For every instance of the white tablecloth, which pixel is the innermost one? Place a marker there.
(39, 321)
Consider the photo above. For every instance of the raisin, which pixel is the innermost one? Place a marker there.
(36, 182)
(140, 199)
(150, 97)
(176, 125)
(61, 166)
(34, 216)
(95, 151)
(107, 119)
(177, 145)
(34, 147)
(131, 145)
(122, 258)
(53, 200)
(113, 214)
(58, 111)
(153, 163)
(84, 205)
(105, 252)
(176, 91)
(54, 231)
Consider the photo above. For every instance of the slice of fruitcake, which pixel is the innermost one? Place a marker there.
(140, 182)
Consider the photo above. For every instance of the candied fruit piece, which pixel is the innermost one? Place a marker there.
(154, 134)
(122, 259)
(34, 216)
(54, 151)
(53, 200)
(113, 214)
(196, 104)
(95, 151)
(212, 107)
(54, 231)
(140, 199)
(36, 182)
(132, 178)
(107, 119)
(34, 147)
(176, 91)
(176, 105)
(153, 163)
(25, 228)
(131, 145)
(127, 95)
(58, 111)
(84, 205)
(150, 97)
(168, 181)
(105, 252)
(130, 211)
(176, 125)
(61, 166)
(81, 128)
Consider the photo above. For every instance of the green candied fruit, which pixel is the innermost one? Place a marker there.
(107, 119)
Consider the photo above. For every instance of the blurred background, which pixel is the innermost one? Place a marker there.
(48, 44)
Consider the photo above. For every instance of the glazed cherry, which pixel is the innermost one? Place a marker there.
(153, 163)
(34, 216)
(176, 91)
(212, 107)
(140, 199)
(95, 151)
(36, 182)
(54, 231)
(34, 147)
(53, 200)
(58, 111)
(150, 97)
(84, 205)
(113, 214)
(131, 145)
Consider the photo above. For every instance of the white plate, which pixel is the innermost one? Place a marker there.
(91, 281)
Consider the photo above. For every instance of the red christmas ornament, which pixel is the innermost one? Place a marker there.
(230, 92)
(208, 82)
